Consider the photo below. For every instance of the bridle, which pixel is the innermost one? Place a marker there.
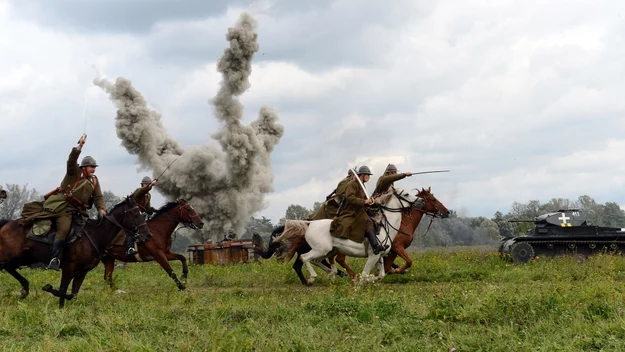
(178, 216)
(133, 231)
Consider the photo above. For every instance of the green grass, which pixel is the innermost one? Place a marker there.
(470, 300)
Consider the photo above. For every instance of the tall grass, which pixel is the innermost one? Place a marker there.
(469, 300)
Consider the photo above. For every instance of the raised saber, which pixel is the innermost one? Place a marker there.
(170, 164)
(359, 182)
(429, 172)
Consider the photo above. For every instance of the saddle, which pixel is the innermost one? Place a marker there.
(44, 230)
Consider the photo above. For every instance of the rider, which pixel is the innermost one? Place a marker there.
(330, 207)
(79, 187)
(142, 196)
(385, 182)
(3, 196)
(353, 217)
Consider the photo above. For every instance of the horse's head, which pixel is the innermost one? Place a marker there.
(127, 215)
(432, 205)
(184, 213)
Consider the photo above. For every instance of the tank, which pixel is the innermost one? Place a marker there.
(563, 232)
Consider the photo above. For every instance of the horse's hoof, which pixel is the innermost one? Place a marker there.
(182, 288)
(48, 288)
(23, 294)
(309, 282)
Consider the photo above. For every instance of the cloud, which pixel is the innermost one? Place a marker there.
(521, 100)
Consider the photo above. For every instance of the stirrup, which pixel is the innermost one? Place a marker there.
(54, 264)
(131, 251)
(379, 249)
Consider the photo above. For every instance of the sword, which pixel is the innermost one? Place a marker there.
(428, 172)
(170, 164)
(359, 182)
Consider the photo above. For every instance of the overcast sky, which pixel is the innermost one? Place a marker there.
(522, 100)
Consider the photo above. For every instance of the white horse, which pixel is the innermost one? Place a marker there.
(317, 234)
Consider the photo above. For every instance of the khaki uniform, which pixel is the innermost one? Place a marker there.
(330, 207)
(81, 189)
(353, 219)
(142, 196)
(385, 182)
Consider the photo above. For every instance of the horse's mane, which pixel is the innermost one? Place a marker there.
(166, 207)
(384, 198)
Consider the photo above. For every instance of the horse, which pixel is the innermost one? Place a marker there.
(79, 257)
(409, 221)
(162, 226)
(317, 234)
(297, 265)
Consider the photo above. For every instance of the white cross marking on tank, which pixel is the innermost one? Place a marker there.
(564, 218)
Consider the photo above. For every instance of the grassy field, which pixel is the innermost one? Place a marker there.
(467, 300)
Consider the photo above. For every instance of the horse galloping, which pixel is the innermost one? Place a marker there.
(162, 226)
(409, 221)
(317, 235)
(78, 258)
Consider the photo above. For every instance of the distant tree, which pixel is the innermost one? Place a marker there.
(612, 215)
(296, 212)
(16, 197)
(262, 225)
(316, 206)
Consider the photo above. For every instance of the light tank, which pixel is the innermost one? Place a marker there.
(560, 233)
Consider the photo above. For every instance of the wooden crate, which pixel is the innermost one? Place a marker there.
(222, 253)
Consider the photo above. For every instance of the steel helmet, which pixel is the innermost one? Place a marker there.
(364, 170)
(88, 161)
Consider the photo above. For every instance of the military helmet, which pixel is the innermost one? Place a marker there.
(146, 179)
(391, 168)
(88, 161)
(364, 170)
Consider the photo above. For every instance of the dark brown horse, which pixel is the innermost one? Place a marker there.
(162, 226)
(78, 258)
(409, 221)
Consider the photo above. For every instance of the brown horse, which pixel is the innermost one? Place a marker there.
(78, 258)
(162, 226)
(409, 221)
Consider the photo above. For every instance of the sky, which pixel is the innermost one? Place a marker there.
(521, 100)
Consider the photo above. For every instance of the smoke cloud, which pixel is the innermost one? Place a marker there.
(224, 181)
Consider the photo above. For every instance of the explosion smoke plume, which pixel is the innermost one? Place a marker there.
(225, 185)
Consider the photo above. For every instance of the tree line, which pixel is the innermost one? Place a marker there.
(453, 231)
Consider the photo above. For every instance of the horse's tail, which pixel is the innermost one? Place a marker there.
(295, 233)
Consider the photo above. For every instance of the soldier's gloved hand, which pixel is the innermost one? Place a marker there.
(408, 174)
(102, 212)
(369, 201)
(153, 183)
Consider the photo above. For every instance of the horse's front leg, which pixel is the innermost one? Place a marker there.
(372, 260)
(404, 255)
(78, 279)
(66, 278)
(340, 258)
(162, 260)
(11, 268)
(185, 269)
(109, 267)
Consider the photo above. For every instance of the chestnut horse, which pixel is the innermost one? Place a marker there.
(78, 258)
(409, 221)
(162, 226)
(317, 235)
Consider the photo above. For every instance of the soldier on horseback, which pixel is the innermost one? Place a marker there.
(142, 196)
(330, 207)
(79, 189)
(353, 217)
(385, 182)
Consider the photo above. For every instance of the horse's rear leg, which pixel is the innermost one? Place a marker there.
(297, 266)
(78, 279)
(161, 258)
(306, 258)
(185, 269)
(109, 267)
(340, 258)
(11, 268)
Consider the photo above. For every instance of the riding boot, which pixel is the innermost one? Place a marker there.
(373, 240)
(130, 246)
(57, 245)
